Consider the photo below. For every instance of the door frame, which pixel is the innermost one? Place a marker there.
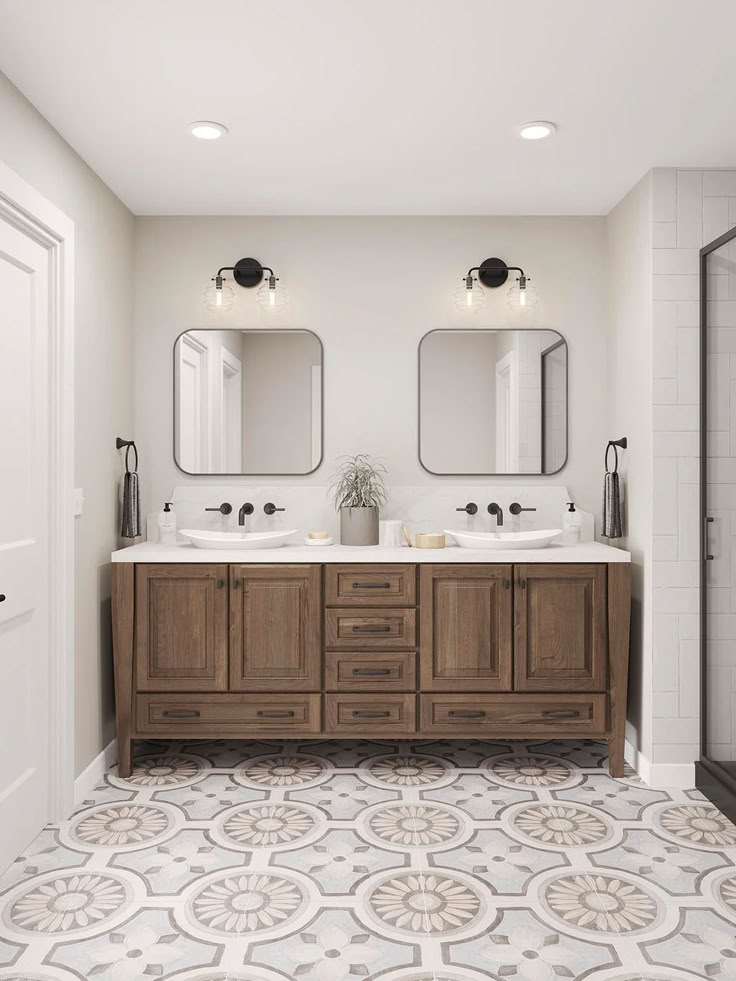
(24, 207)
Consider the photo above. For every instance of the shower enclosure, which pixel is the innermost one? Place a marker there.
(716, 770)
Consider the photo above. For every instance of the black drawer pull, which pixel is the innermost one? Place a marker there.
(507, 584)
(522, 583)
(358, 714)
(171, 714)
(220, 583)
(370, 672)
(274, 715)
(371, 585)
(378, 628)
(567, 714)
(467, 715)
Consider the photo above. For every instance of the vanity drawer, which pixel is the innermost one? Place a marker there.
(355, 671)
(212, 716)
(377, 630)
(389, 714)
(516, 716)
(373, 585)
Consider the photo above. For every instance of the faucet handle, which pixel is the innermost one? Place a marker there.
(271, 508)
(224, 508)
(469, 508)
(516, 508)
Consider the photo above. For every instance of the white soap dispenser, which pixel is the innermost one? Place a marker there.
(571, 525)
(167, 525)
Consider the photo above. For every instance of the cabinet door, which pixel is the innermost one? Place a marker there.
(275, 613)
(560, 627)
(181, 627)
(465, 627)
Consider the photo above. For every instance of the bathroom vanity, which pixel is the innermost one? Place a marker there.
(301, 642)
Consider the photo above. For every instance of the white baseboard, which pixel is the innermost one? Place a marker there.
(660, 776)
(91, 776)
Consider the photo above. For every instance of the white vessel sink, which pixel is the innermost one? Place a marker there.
(237, 539)
(505, 539)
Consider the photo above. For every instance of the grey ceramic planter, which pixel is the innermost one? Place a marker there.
(359, 526)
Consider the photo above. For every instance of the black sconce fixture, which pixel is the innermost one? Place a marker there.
(248, 273)
(493, 273)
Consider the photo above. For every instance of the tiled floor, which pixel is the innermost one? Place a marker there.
(328, 861)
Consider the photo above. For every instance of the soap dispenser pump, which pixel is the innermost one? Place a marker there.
(167, 525)
(571, 525)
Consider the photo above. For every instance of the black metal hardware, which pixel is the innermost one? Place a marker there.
(522, 583)
(246, 272)
(244, 509)
(358, 714)
(371, 585)
(493, 272)
(235, 583)
(506, 584)
(516, 508)
(496, 511)
(171, 714)
(129, 445)
(224, 508)
(220, 583)
(615, 443)
(466, 715)
(708, 557)
(569, 714)
(271, 508)
(373, 629)
(274, 715)
(371, 672)
(2, 597)
(469, 508)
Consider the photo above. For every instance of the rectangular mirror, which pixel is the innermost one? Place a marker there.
(492, 402)
(248, 402)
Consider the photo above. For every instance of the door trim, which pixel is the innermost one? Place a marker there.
(22, 206)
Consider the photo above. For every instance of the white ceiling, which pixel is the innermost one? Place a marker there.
(379, 106)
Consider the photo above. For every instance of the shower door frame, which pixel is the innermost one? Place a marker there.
(711, 778)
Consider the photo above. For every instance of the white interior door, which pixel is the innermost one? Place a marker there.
(25, 663)
(192, 432)
(507, 415)
(231, 413)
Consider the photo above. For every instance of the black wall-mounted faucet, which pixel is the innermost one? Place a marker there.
(271, 508)
(516, 508)
(245, 509)
(469, 508)
(496, 511)
(223, 508)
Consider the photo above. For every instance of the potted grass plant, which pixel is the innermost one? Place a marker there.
(359, 489)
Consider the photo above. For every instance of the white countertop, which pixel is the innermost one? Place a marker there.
(153, 552)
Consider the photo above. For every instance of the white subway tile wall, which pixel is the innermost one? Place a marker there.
(690, 209)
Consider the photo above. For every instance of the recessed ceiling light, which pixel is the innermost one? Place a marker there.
(537, 130)
(205, 129)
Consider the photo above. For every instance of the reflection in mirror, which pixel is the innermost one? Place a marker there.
(248, 402)
(493, 402)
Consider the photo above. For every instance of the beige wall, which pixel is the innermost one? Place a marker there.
(104, 392)
(371, 288)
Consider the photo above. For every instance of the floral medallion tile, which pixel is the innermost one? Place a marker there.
(725, 892)
(278, 772)
(407, 770)
(430, 973)
(602, 903)
(414, 825)
(586, 753)
(343, 796)
(154, 772)
(703, 943)
(697, 825)
(466, 753)
(212, 794)
(122, 825)
(521, 946)
(675, 868)
(248, 903)
(104, 793)
(44, 854)
(505, 865)
(149, 945)
(267, 825)
(228, 754)
(417, 904)
(477, 796)
(531, 772)
(66, 902)
(339, 861)
(619, 800)
(170, 867)
(333, 946)
(10, 952)
(347, 752)
(559, 825)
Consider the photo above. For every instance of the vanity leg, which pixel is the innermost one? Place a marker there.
(123, 578)
(619, 614)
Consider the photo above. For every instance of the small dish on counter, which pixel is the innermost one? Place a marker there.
(311, 540)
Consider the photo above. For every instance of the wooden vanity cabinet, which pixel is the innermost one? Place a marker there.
(371, 650)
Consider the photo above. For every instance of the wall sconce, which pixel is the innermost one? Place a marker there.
(493, 273)
(247, 273)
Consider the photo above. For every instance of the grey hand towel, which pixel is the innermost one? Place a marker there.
(611, 506)
(130, 525)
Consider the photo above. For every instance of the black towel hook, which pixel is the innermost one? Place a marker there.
(127, 443)
(623, 443)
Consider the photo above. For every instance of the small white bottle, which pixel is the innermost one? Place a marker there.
(571, 525)
(167, 525)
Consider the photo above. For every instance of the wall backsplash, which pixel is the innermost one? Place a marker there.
(371, 288)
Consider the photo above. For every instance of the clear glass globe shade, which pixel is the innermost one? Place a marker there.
(522, 300)
(272, 300)
(470, 301)
(221, 299)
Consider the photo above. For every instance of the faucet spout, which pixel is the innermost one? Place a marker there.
(496, 511)
(245, 509)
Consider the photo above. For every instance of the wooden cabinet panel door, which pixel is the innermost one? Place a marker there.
(181, 627)
(560, 627)
(465, 628)
(275, 635)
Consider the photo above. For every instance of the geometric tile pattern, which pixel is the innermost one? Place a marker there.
(337, 861)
